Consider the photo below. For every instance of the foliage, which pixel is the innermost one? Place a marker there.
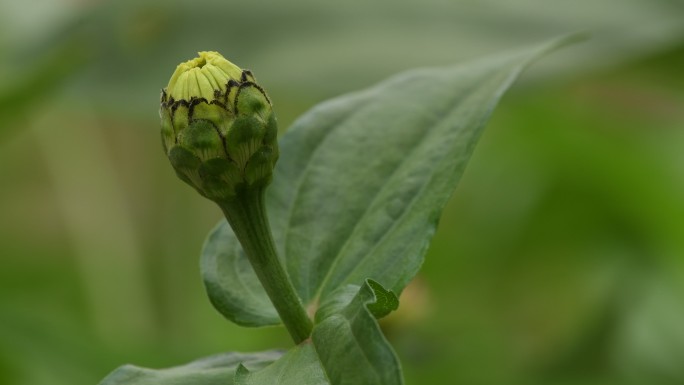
(356, 199)
(558, 260)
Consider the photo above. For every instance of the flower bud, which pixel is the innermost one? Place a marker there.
(218, 128)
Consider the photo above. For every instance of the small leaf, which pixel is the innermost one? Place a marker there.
(213, 370)
(362, 181)
(385, 300)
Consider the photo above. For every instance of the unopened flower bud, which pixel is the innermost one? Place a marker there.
(218, 127)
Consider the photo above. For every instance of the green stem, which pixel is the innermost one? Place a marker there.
(246, 214)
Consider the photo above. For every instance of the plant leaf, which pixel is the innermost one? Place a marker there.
(213, 370)
(299, 366)
(348, 345)
(349, 342)
(362, 181)
(384, 302)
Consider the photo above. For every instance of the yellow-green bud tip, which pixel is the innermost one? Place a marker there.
(202, 76)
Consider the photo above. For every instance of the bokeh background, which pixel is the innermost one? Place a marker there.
(559, 260)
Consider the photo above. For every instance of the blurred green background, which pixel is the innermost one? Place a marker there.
(559, 260)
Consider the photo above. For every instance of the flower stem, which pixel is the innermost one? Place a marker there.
(246, 214)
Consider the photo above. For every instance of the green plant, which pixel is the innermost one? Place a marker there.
(355, 200)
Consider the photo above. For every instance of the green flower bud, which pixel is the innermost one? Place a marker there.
(217, 127)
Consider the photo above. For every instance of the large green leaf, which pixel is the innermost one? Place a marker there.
(214, 370)
(348, 345)
(362, 181)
